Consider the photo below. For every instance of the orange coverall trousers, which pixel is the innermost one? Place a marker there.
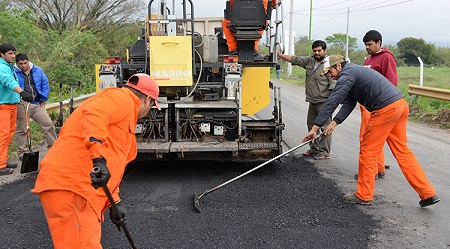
(71, 220)
(8, 113)
(389, 124)
(231, 40)
(365, 116)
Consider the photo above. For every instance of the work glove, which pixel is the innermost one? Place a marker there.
(26, 96)
(115, 218)
(100, 174)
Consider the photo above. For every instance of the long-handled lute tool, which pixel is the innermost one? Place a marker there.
(116, 211)
(197, 197)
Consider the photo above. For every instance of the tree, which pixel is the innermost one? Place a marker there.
(301, 46)
(65, 58)
(94, 15)
(338, 41)
(411, 48)
(19, 32)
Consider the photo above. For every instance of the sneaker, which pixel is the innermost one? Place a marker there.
(381, 175)
(353, 199)
(11, 165)
(387, 166)
(6, 171)
(429, 201)
(321, 157)
(234, 52)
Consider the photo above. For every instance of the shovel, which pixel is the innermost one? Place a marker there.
(30, 161)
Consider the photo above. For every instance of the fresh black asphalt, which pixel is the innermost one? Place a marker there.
(285, 204)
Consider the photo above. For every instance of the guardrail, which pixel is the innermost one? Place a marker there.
(431, 92)
(54, 107)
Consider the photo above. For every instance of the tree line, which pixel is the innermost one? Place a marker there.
(406, 50)
(67, 38)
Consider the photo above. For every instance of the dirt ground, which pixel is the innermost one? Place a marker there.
(440, 119)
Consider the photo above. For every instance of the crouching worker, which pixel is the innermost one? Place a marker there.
(387, 122)
(99, 133)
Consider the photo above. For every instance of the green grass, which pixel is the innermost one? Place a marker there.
(423, 109)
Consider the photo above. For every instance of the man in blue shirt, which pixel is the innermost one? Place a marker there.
(34, 81)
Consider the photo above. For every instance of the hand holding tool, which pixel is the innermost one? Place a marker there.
(26, 96)
(101, 177)
(118, 220)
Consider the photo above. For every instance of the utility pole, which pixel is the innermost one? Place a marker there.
(310, 27)
(291, 39)
(346, 37)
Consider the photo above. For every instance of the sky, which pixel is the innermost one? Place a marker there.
(394, 19)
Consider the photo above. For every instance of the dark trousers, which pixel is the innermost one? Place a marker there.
(322, 145)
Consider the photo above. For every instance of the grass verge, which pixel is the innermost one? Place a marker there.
(424, 110)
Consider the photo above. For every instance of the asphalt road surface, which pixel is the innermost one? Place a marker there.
(292, 203)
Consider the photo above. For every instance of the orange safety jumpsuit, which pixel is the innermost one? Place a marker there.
(73, 208)
(231, 40)
(389, 124)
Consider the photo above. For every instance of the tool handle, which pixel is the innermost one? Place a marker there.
(319, 134)
(96, 171)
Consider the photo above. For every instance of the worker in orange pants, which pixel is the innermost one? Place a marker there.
(10, 94)
(98, 134)
(389, 124)
(229, 35)
(388, 116)
(72, 221)
(383, 61)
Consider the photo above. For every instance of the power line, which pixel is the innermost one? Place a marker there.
(379, 7)
(336, 15)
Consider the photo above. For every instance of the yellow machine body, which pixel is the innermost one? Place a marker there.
(255, 89)
(171, 60)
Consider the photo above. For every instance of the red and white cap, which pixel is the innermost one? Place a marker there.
(146, 85)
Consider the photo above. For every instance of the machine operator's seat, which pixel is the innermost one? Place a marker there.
(248, 19)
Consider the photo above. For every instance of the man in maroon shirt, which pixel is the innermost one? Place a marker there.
(383, 61)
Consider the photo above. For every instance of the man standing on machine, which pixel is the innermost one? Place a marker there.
(34, 81)
(229, 35)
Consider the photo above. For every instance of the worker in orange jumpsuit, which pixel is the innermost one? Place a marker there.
(229, 35)
(383, 61)
(99, 133)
